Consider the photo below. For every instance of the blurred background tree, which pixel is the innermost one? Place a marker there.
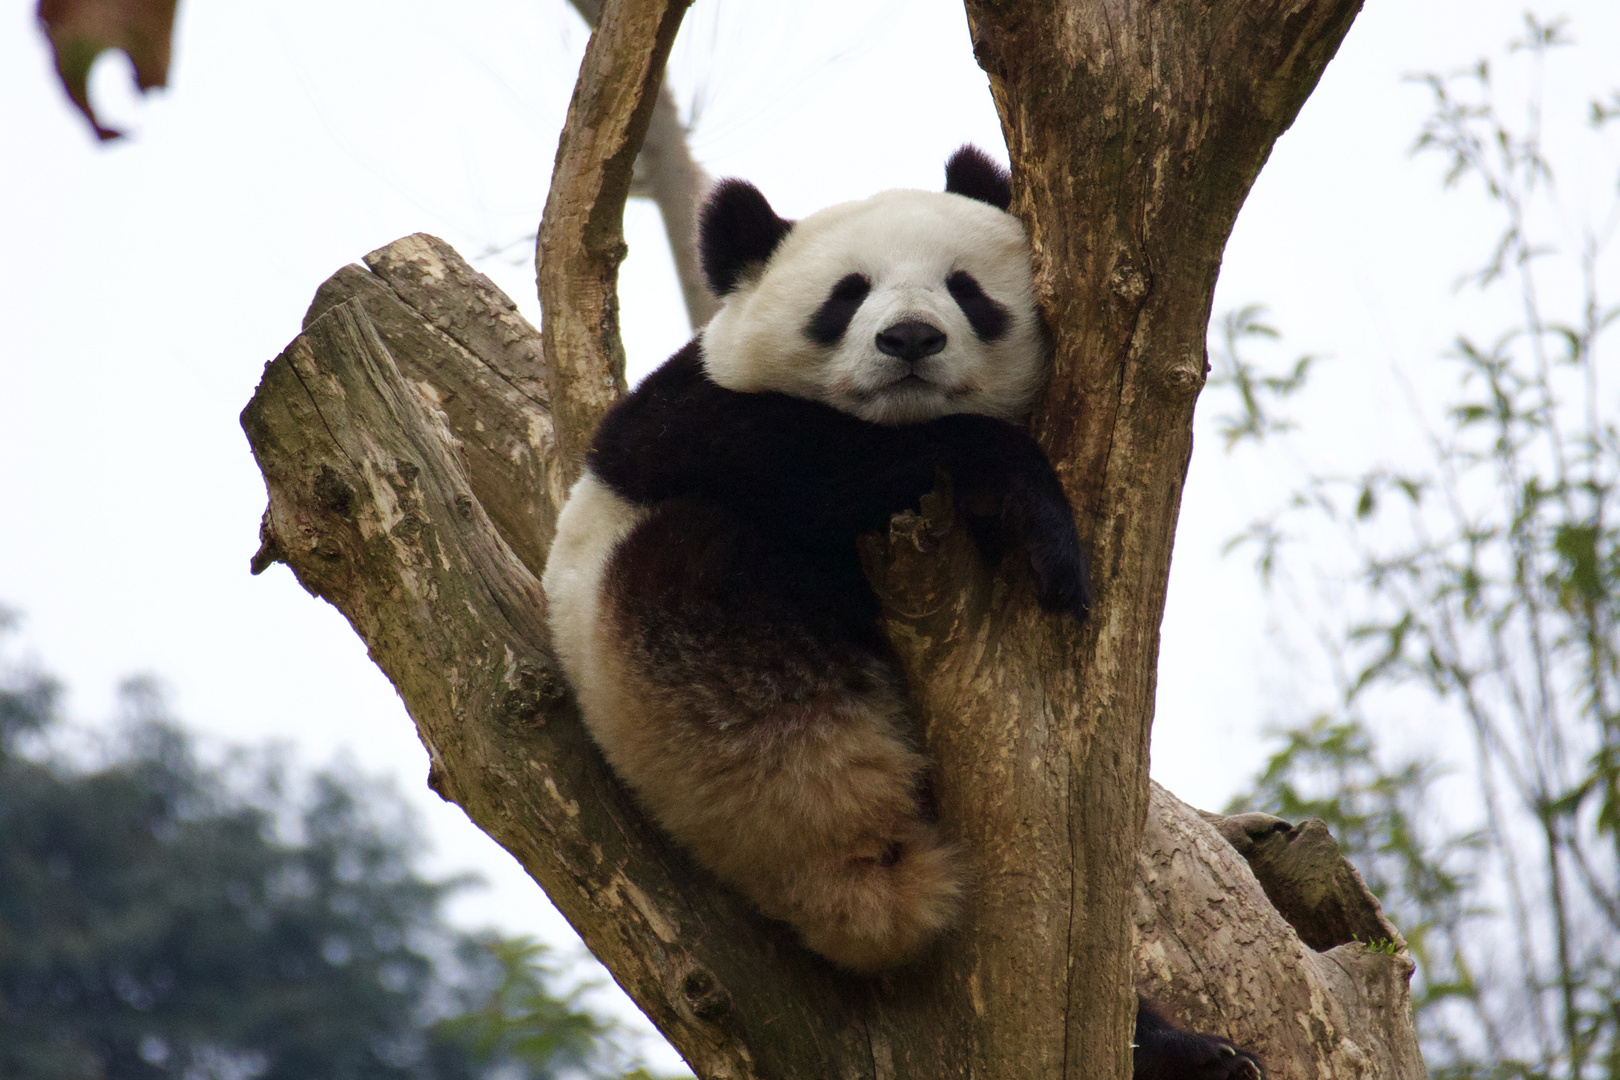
(166, 915)
(1481, 597)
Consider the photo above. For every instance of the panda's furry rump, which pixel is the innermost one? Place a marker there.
(801, 785)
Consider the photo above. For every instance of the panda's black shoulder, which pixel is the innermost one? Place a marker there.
(681, 435)
(650, 424)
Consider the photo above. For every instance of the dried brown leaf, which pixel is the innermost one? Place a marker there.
(81, 30)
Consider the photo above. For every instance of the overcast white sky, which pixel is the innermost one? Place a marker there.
(146, 283)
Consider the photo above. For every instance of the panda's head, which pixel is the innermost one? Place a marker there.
(900, 308)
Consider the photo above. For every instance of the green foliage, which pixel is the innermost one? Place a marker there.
(1233, 371)
(163, 916)
(1486, 576)
(521, 1020)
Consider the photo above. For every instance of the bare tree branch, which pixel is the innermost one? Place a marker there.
(1211, 949)
(667, 174)
(581, 240)
(1134, 131)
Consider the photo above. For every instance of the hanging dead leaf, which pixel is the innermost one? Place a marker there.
(81, 30)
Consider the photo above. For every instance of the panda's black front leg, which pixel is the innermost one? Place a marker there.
(1002, 476)
(1162, 1051)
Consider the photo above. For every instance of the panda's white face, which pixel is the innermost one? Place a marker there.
(900, 308)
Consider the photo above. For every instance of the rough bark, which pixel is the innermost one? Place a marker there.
(1214, 948)
(581, 239)
(1135, 129)
(414, 478)
(413, 484)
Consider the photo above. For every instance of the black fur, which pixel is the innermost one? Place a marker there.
(811, 478)
(970, 172)
(737, 230)
(988, 318)
(827, 325)
(693, 571)
(1166, 1052)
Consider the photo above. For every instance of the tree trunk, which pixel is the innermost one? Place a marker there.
(416, 451)
(1135, 129)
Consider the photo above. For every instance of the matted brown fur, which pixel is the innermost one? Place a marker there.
(767, 741)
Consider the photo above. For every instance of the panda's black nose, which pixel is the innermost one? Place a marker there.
(911, 340)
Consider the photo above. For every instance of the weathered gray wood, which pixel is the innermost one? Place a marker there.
(479, 365)
(667, 174)
(1308, 881)
(377, 503)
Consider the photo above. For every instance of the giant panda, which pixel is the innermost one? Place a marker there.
(705, 593)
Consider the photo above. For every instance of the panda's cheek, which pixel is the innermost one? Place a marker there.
(845, 369)
(858, 373)
(858, 351)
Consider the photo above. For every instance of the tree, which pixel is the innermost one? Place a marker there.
(154, 921)
(417, 440)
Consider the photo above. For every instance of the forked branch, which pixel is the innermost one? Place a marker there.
(411, 467)
(416, 450)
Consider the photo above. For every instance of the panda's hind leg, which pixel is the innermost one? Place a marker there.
(762, 723)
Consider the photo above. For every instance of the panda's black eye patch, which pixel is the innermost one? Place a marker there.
(832, 318)
(988, 318)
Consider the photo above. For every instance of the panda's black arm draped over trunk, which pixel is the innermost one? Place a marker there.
(994, 463)
(812, 475)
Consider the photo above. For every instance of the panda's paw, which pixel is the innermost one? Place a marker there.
(1062, 578)
(1223, 1061)
(1186, 1055)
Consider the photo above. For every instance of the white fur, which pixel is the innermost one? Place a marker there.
(906, 243)
(593, 522)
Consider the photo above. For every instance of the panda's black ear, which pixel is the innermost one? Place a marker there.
(737, 229)
(970, 172)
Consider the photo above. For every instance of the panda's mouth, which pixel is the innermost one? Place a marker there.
(908, 396)
(908, 399)
(905, 385)
(914, 383)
